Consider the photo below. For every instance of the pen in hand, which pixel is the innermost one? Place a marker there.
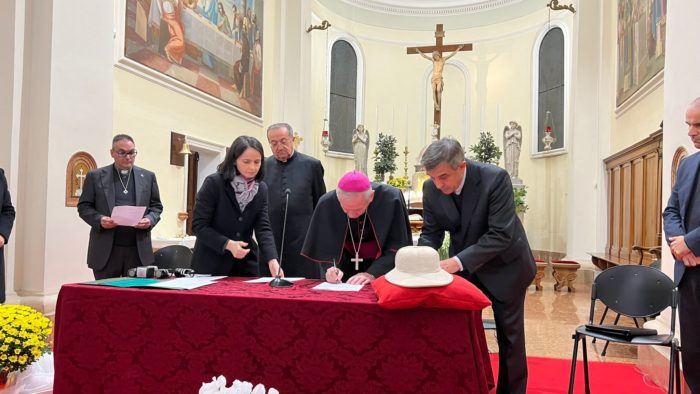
(336, 272)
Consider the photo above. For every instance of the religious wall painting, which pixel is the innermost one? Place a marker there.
(213, 46)
(641, 47)
(76, 171)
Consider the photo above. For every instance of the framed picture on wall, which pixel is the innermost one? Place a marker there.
(208, 49)
(641, 44)
(79, 164)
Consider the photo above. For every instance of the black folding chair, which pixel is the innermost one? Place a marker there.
(173, 256)
(635, 291)
(655, 252)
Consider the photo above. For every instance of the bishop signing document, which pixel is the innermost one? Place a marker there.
(356, 230)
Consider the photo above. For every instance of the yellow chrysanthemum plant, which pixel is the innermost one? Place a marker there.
(24, 334)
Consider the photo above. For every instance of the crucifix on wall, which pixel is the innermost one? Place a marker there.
(438, 66)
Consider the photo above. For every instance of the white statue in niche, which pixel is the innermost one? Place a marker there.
(360, 148)
(512, 141)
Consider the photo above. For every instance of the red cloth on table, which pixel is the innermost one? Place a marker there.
(296, 340)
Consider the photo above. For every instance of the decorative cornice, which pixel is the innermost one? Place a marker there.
(436, 8)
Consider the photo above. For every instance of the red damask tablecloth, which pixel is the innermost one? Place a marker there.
(298, 340)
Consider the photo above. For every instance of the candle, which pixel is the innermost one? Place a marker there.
(481, 119)
(498, 116)
(376, 120)
(406, 128)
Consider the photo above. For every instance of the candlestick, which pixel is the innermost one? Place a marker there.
(405, 162)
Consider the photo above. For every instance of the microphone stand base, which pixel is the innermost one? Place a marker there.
(279, 282)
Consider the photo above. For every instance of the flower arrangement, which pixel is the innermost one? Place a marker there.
(400, 182)
(23, 338)
(218, 386)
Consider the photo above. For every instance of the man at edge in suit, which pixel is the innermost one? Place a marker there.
(474, 202)
(7, 219)
(113, 249)
(682, 228)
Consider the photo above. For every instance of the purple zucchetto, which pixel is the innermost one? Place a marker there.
(354, 181)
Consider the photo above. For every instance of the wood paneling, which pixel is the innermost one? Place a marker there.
(634, 197)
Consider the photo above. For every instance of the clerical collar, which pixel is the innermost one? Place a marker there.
(120, 171)
(293, 155)
(461, 185)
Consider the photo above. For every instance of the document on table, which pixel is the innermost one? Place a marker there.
(337, 287)
(182, 283)
(127, 215)
(269, 279)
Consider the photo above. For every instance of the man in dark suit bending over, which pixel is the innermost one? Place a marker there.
(474, 202)
(113, 249)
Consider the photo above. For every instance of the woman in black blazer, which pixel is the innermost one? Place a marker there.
(231, 204)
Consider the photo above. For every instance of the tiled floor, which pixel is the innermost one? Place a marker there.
(552, 316)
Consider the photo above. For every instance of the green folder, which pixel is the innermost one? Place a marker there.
(122, 282)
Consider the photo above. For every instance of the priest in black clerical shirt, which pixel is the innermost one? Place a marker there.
(359, 226)
(114, 249)
(302, 175)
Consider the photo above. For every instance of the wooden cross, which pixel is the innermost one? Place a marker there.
(440, 48)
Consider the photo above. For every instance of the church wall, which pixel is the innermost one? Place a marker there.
(639, 121)
(68, 96)
(149, 112)
(587, 144)
(81, 104)
(496, 79)
(681, 86)
(61, 103)
(641, 115)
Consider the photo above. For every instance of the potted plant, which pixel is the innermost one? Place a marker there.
(24, 336)
(385, 155)
(486, 150)
(519, 194)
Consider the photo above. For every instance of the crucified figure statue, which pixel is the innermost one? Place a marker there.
(436, 80)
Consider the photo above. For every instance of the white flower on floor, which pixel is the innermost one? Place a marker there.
(218, 386)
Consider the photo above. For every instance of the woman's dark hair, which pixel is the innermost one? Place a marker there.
(228, 169)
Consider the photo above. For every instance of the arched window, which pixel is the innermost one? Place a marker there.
(342, 110)
(551, 90)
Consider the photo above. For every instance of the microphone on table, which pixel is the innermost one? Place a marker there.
(278, 281)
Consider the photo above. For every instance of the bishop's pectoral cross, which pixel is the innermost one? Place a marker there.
(438, 65)
(357, 260)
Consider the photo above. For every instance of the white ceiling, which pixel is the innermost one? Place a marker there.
(424, 14)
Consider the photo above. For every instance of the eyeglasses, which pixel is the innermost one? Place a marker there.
(283, 141)
(123, 154)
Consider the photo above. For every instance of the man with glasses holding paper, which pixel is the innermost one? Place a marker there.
(121, 203)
